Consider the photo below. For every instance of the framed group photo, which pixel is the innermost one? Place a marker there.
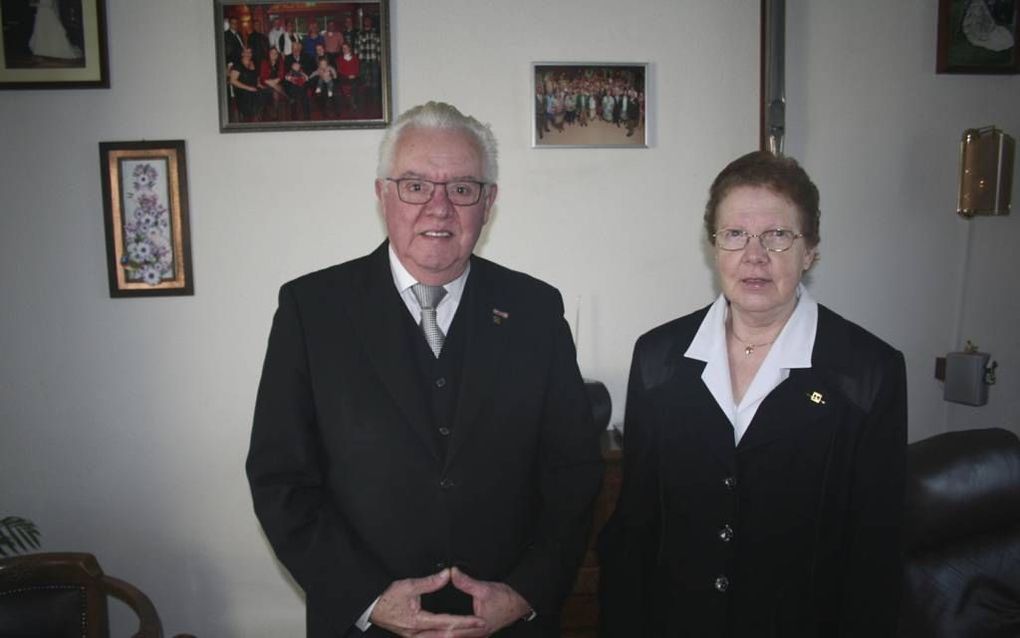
(145, 206)
(582, 105)
(978, 36)
(53, 44)
(302, 65)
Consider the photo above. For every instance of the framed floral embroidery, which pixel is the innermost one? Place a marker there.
(145, 205)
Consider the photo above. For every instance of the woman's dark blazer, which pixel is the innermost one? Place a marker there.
(793, 532)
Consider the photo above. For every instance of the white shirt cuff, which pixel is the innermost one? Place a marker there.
(363, 624)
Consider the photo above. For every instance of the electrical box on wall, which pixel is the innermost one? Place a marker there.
(967, 375)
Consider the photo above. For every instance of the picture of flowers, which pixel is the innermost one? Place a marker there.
(146, 214)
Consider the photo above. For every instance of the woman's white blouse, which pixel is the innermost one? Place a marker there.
(791, 349)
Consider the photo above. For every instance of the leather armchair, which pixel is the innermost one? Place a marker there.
(601, 403)
(63, 595)
(962, 535)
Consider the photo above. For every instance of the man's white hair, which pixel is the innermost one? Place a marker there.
(439, 115)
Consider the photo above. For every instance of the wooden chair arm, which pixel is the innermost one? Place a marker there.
(149, 625)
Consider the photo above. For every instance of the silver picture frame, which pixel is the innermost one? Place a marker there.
(589, 104)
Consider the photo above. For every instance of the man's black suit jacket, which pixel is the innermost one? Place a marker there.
(349, 482)
(259, 45)
(232, 47)
(793, 532)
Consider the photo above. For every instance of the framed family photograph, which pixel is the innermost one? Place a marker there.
(145, 206)
(978, 36)
(584, 105)
(53, 44)
(302, 65)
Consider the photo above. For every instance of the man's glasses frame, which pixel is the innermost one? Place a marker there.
(454, 190)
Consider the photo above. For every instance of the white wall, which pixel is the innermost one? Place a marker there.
(880, 132)
(124, 423)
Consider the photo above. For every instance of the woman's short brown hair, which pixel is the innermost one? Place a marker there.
(782, 175)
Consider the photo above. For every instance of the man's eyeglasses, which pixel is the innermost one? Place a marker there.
(776, 240)
(412, 190)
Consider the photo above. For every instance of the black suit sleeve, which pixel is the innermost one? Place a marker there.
(231, 48)
(571, 472)
(628, 543)
(874, 563)
(286, 470)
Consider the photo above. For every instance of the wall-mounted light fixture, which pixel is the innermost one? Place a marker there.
(986, 172)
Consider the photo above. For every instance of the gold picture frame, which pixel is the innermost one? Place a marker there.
(145, 205)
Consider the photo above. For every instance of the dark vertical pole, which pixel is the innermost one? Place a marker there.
(773, 78)
(762, 72)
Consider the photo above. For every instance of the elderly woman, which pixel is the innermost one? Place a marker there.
(765, 441)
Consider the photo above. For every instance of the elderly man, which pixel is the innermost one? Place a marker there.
(422, 458)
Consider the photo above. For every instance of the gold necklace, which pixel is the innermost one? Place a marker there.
(749, 347)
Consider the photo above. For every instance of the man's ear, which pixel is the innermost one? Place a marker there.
(490, 199)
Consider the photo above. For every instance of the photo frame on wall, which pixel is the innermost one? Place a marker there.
(978, 36)
(302, 65)
(53, 44)
(145, 206)
(589, 105)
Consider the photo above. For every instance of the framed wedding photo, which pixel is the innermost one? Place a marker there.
(589, 105)
(53, 44)
(978, 36)
(302, 65)
(145, 206)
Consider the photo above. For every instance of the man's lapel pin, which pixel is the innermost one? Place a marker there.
(499, 315)
(816, 397)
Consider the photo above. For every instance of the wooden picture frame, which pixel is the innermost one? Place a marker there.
(978, 36)
(607, 87)
(263, 93)
(53, 44)
(145, 206)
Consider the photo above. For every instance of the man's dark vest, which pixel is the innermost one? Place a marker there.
(440, 378)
